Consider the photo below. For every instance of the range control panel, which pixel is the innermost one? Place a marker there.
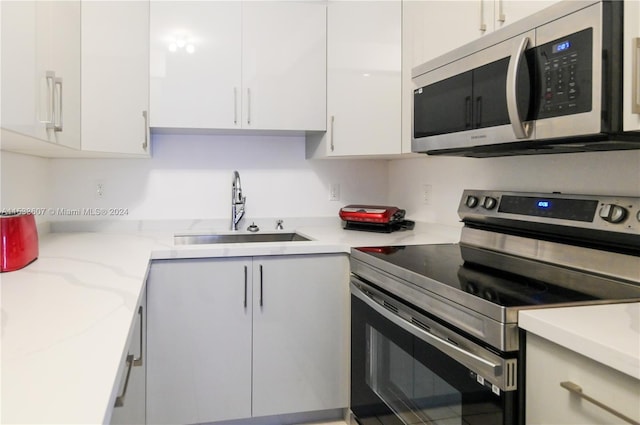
(608, 213)
(565, 75)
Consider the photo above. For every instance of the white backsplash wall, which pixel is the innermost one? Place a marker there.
(616, 173)
(24, 183)
(189, 177)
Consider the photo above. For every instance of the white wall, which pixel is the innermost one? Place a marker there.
(616, 173)
(24, 182)
(190, 176)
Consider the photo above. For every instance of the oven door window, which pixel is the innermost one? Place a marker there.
(412, 391)
(398, 378)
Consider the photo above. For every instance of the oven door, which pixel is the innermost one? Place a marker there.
(403, 373)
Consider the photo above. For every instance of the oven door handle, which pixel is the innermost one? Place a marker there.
(453, 351)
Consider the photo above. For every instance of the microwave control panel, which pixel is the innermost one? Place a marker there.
(565, 75)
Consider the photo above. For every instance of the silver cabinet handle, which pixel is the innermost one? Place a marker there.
(138, 361)
(120, 399)
(501, 17)
(50, 120)
(58, 124)
(331, 137)
(248, 106)
(483, 25)
(245, 286)
(577, 390)
(261, 287)
(145, 143)
(521, 129)
(635, 100)
(235, 106)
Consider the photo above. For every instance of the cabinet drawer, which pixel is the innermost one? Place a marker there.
(547, 402)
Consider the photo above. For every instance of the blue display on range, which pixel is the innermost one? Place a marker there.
(544, 204)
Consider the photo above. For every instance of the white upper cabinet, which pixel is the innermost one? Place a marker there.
(509, 11)
(196, 64)
(41, 70)
(437, 27)
(115, 77)
(631, 82)
(284, 65)
(238, 65)
(364, 61)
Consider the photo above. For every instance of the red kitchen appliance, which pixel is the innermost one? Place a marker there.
(374, 218)
(18, 241)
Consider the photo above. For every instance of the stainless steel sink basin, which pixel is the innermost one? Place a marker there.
(214, 238)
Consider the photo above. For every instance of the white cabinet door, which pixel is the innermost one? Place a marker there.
(284, 65)
(199, 338)
(509, 11)
(41, 70)
(631, 79)
(440, 26)
(238, 65)
(300, 333)
(364, 62)
(130, 406)
(549, 364)
(115, 76)
(196, 64)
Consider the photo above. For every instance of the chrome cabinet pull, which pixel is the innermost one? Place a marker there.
(501, 17)
(120, 399)
(635, 99)
(483, 25)
(245, 286)
(235, 106)
(50, 77)
(145, 143)
(58, 124)
(261, 288)
(249, 106)
(521, 129)
(331, 139)
(577, 390)
(138, 361)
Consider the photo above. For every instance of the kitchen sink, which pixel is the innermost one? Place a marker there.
(214, 238)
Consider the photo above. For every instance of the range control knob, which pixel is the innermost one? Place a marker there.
(472, 201)
(613, 213)
(489, 203)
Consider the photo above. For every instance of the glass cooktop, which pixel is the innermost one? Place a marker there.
(445, 264)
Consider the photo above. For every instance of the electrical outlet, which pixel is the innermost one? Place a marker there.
(99, 189)
(334, 192)
(426, 193)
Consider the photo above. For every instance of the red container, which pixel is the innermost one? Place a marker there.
(371, 214)
(18, 241)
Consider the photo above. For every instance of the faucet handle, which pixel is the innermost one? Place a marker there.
(279, 225)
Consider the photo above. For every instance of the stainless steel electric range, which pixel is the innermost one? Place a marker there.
(435, 336)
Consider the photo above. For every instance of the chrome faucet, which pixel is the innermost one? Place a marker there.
(237, 201)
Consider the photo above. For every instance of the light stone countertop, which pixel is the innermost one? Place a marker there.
(66, 318)
(609, 334)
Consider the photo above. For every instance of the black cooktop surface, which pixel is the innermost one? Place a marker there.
(444, 263)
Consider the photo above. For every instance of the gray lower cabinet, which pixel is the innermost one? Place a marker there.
(129, 407)
(245, 337)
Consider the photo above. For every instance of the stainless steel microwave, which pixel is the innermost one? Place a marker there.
(550, 83)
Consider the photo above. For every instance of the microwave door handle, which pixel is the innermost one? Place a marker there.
(521, 129)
